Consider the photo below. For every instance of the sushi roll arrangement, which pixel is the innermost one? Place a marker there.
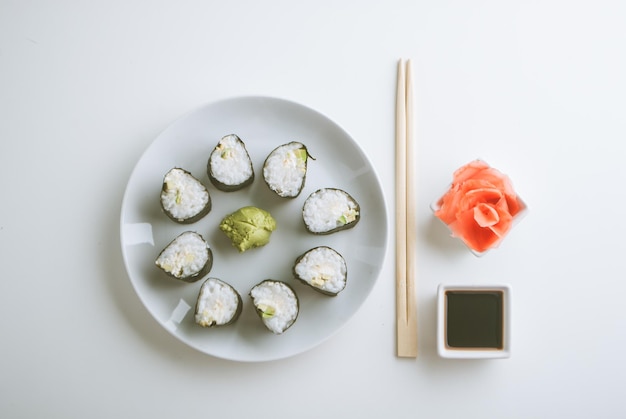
(188, 257)
(323, 269)
(218, 304)
(184, 198)
(328, 210)
(284, 170)
(276, 304)
(229, 166)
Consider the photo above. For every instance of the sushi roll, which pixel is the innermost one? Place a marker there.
(323, 269)
(328, 210)
(229, 166)
(184, 198)
(276, 304)
(218, 304)
(284, 170)
(188, 257)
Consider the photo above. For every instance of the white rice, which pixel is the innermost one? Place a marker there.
(230, 162)
(217, 303)
(323, 268)
(327, 209)
(183, 195)
(284, 171)
(280, 300)
(185, 256)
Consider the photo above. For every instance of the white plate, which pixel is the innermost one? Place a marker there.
(263, 123)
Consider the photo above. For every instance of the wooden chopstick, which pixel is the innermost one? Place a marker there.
(406, 311)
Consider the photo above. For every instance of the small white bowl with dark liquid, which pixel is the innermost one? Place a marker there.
(474, 321)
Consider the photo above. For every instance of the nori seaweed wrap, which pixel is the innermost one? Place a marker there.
(230, 167)
(328, 210)
(218, 304)
(276, 304)
(188, 257)
(184, 199)
(323, 269)
(285, 169)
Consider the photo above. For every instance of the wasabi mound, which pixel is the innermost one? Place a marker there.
(248, 227)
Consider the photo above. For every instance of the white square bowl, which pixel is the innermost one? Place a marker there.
(502, 350)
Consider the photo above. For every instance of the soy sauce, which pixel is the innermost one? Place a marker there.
(474, 319)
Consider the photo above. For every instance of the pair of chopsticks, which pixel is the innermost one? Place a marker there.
(406, 228)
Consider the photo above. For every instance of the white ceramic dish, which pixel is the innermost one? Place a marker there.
(446, 351)
(263, 123)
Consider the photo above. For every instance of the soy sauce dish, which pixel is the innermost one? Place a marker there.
(474, 321)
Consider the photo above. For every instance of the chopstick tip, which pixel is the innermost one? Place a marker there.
(405, 64)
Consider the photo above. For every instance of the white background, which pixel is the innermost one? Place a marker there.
(536, 88)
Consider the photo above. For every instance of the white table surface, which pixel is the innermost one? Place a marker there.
(536, 88)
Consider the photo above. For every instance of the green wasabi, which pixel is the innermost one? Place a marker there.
(248, 227)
